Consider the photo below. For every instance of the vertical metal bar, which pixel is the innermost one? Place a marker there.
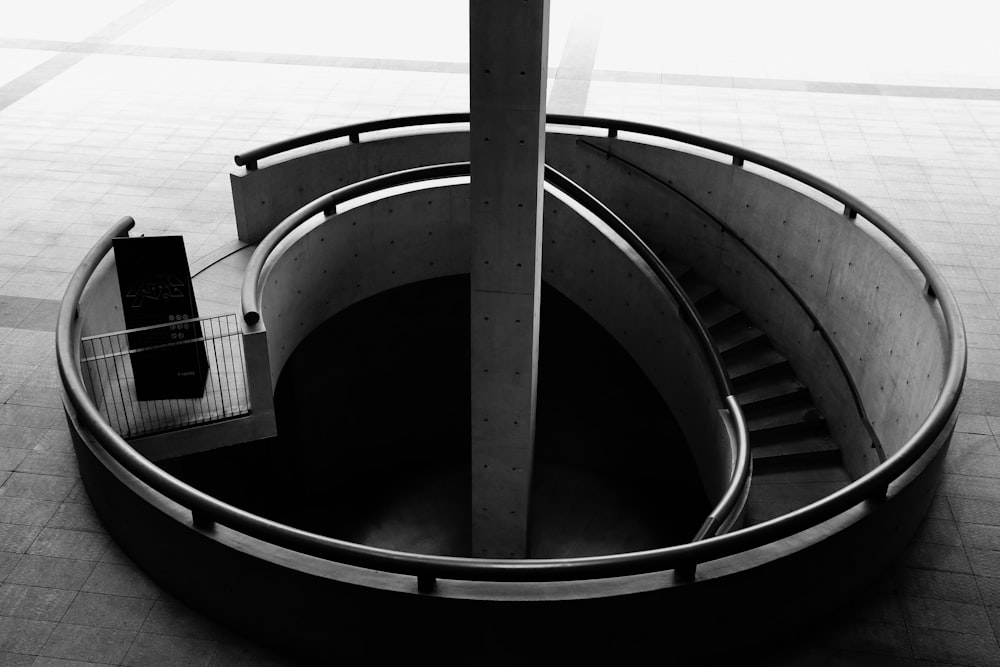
(241, 343)
(121, 393)
(238, 356)
(86, 358)
(221, 396)
(231, 373)
(122, 364)
(217, 398)
(99, 364)
(426, 583)
(224, 343)
(211, 398)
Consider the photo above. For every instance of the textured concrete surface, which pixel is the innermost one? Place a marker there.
(136, 108)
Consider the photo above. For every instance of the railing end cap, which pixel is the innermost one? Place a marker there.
(251, 317)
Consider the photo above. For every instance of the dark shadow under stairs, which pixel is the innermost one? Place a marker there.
(795, 459)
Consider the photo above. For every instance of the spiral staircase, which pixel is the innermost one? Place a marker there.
(810, 354)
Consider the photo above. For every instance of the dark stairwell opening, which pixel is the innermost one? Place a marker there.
(373, 444)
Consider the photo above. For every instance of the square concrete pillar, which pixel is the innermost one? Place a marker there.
(508, 66)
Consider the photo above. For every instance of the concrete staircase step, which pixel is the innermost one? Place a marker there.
(697, 289)
(777, 391)
(813, 449)
(752, 343)
(734, 332)
(789, 415)
(768, 501)
(795, 461)
(715, 310)
(764, 359)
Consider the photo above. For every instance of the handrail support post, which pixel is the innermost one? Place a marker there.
(426, 583)
(202, 521)
(850, 212)
(880, 493)
(737, 160)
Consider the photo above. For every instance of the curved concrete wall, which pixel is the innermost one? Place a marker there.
(264, 198)
(293, 599)
(424, 234)
(889, 331)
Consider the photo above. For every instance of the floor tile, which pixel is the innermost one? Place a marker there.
(955, 648)
(151, 650)
(33, 602)
(22, 635)
(63, 543)
(80, 642)
(947, 615)
(121, 580)
(66, 573)
(108, 611)
(39, 487)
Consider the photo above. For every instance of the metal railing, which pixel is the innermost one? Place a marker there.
(250, 158)
(734, 498)
(327, 205)
(871, 487)
(212, 347)
(817, 325)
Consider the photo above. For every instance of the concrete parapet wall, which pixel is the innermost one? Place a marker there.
(890, 333)
(425, 234)
(265, 197)
(872, 302)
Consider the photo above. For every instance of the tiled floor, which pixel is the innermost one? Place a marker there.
(136, 107)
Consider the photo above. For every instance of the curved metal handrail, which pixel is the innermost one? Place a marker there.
(817, 325)
(207, 509)
(731, 501)
(728, 509)
(688, 310)
(251, 289)
(872, 486)
(875, 483)
(250, 293)
(853, 207)
(250, 158)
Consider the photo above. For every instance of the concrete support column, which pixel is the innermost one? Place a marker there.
(508, 65)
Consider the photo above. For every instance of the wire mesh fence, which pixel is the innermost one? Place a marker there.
(169, 376)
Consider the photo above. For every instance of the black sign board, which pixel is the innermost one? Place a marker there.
(168, 361)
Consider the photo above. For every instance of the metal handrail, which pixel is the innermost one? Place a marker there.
(734, 499)
(250, 158)
(250, 293)
(872, 486)
(817, 325)
(688, 310)
(207, 510)
(730, 503)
